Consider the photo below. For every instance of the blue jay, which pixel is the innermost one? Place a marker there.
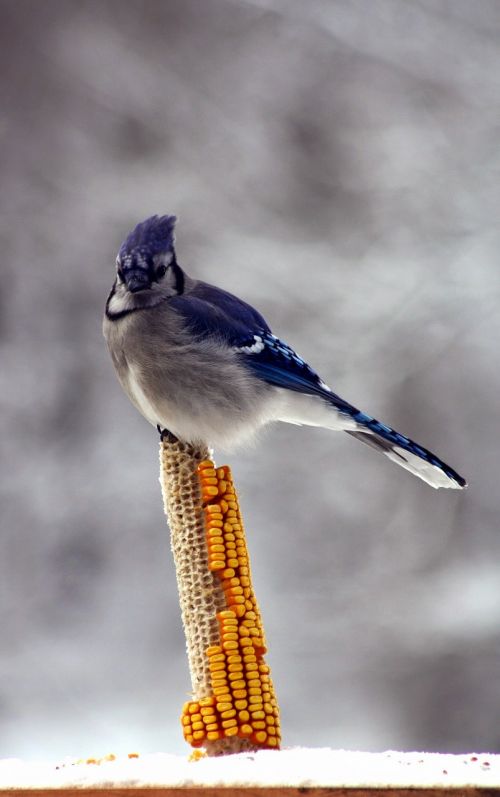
(203, 364)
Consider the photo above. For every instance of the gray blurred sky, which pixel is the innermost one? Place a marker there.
(336, 164)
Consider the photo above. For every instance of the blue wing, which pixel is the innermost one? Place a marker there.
(212, 312)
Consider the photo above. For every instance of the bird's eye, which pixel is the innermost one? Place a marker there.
(161, 271)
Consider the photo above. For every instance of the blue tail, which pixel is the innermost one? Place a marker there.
(404, 452)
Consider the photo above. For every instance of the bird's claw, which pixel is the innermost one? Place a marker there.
(166, 434)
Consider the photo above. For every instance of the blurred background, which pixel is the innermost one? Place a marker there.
(337, 165)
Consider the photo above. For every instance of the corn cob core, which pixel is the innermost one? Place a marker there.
(234, 706)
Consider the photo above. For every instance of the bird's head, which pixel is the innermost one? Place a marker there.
(147, 271)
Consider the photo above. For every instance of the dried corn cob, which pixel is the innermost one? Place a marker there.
(242, 703)
(234, 707)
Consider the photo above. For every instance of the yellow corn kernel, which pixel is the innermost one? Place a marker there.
(208, 473)
(226, 715)
(217, 564)
(228, 572)
(235, 590)
(220, 690)
(255, 691)
(240, 694)
(234, 658)
(217, 657)
(219, 675)
(199, 734)
(257, 715)
(244, 716)
(217, 665)
(229, 636)
(272, 741)
(230, 645)
(193, 708)
(238, 684)
(207, 711)
(246, 730)
(213, 649)
(224, 707)
(213, 736)
(226, 614)
(220, 683)
(240, 704)
(213, 513)
(214, 726)
(186, 720)
(197, 726)
(230, 624)
(232, 731)
(230, 723)
(259, 725)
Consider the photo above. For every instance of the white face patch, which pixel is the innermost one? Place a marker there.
(121, 301)
(163, 259)
(255, 348)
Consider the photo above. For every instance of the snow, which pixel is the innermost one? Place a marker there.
(295, 767)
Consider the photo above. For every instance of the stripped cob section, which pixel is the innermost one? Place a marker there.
(242, 702)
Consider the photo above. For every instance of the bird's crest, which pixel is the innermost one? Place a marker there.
(150, 237)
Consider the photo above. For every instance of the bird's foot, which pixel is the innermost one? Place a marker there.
(166, 434)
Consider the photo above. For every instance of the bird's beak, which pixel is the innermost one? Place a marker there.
(137, 280)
